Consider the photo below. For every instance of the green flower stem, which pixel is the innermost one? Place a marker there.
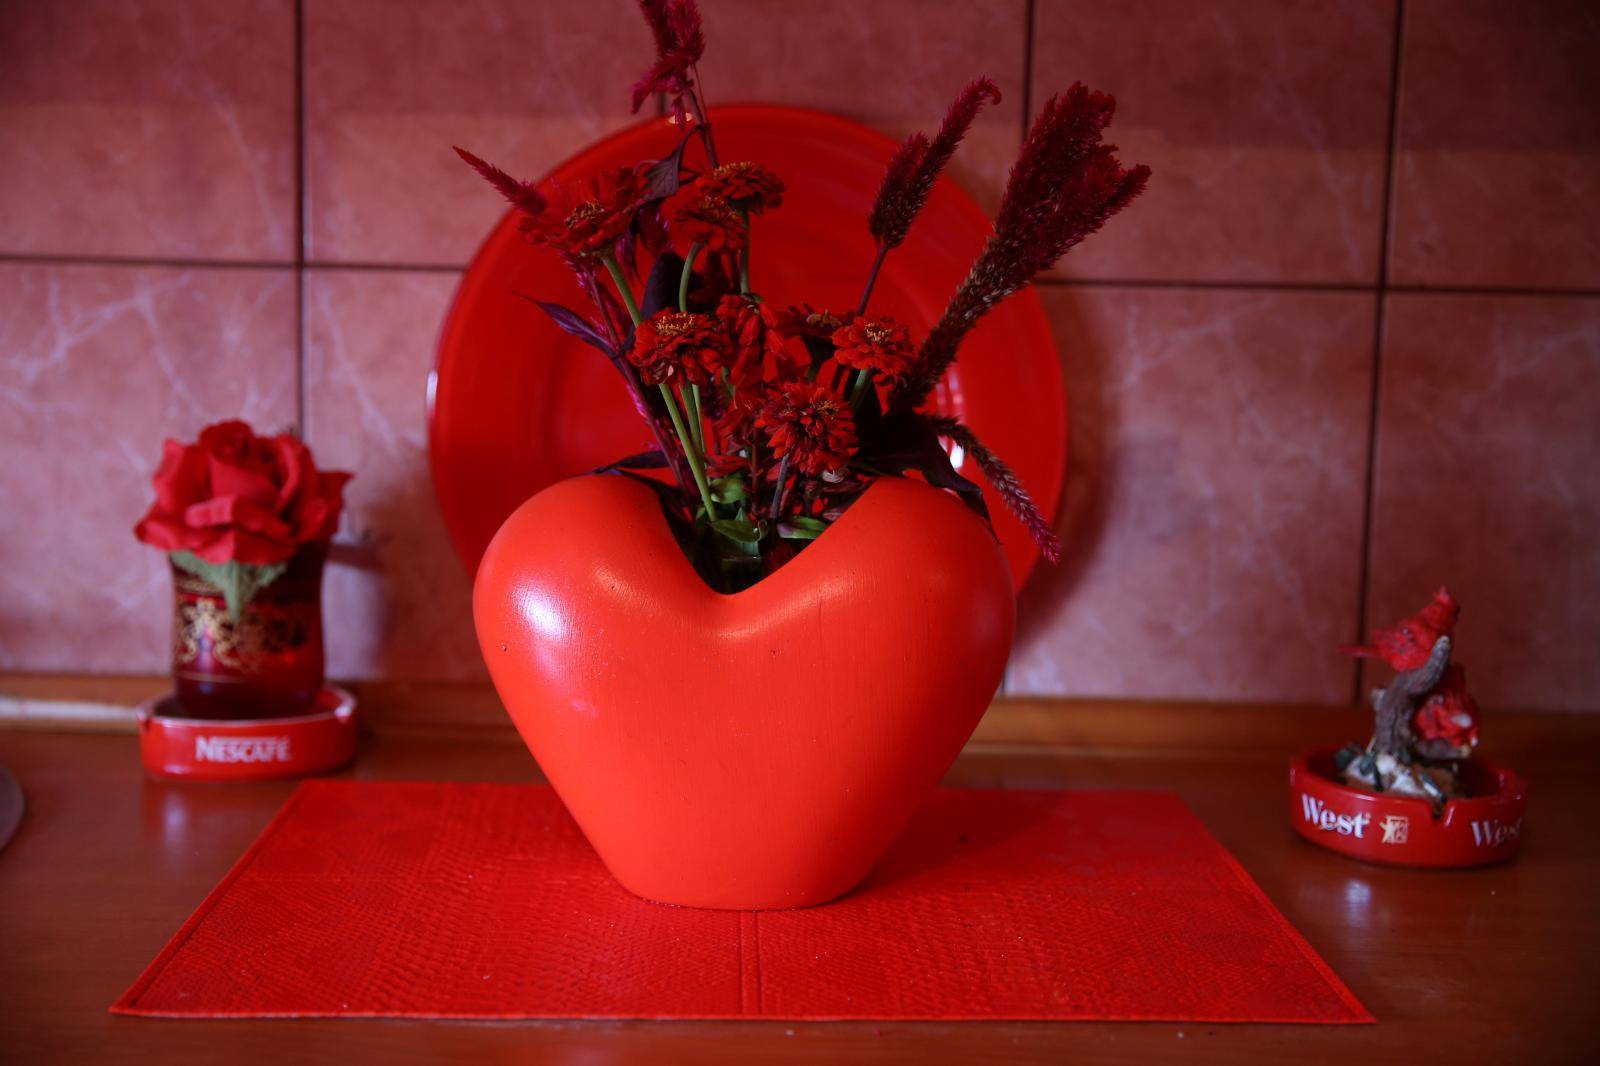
(872, 279)
(744, 257)
(622, 288)
(863, 377)
(697, 465)
(683, 282)
(697, 422)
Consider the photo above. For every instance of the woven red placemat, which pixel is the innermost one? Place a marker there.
(485, 901)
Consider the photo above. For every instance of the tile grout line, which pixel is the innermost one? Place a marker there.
(1201, 284)
(1380, 308)
(1027, 114)
(300, 219)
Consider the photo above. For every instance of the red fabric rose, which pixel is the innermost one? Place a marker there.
(235, 497)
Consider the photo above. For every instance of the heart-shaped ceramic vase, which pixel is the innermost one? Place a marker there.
(755, 750)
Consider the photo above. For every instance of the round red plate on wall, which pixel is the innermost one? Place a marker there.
(516, 405)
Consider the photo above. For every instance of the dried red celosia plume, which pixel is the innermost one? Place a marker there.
(1006, 483)
(680, 42)
(523, 195)
(1064, 186)
(918, 162)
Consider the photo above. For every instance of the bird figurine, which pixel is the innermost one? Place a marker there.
(1425, 720)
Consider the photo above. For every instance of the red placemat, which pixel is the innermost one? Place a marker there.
(485, 901)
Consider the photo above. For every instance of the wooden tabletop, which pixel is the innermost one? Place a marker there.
(1499, 964)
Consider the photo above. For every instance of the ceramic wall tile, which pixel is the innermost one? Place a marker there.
(154, 130)
(892, 66)
(1489, 425)
(1498, 156)
(391, 85)
(1213, 505)
(403, 608)
(100, 364)
(1265, 124)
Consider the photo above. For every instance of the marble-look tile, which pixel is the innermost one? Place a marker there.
(1489, 425)
(1497, 168)
(390, 85)
(147, 129)
(405, 611)
(1264, 121)
(1213, 504)
(100, 364)
(892, 66)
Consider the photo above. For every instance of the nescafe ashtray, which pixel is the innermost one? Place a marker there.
(247, 749)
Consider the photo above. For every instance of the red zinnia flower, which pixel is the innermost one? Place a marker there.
(802, 321)
(748, 186)
(810, 426)
(878, 344)
(706, 219)
(679, 344)
(586, 219)
(761, 351)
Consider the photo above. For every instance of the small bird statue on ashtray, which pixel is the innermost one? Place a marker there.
(1426, 720)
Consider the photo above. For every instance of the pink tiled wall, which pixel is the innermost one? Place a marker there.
(1346, 348)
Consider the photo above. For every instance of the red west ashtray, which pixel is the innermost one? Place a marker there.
(1485, 826)
(247, 749)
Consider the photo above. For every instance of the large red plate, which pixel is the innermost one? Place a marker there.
(516, 405)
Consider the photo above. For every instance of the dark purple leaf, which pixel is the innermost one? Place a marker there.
(898, 442)
(661, 290)
(569, 321)
(647, 460)
(665, 175)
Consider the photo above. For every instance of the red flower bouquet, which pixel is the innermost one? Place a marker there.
(752, 732)
(771, 422)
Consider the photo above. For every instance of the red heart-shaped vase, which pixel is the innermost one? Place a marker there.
(754, 750)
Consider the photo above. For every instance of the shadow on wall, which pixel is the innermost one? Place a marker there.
(1080, 517)
(380, 624)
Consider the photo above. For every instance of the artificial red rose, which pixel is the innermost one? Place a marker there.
(1449, 714)
(679, 346)
(810, 426)
(586, 219)
(704, 218)
(761, 351)
(747, 186)
(880, 345)
(235, 497)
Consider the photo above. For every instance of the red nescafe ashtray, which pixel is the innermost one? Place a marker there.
(247, 749)
(1483, 827)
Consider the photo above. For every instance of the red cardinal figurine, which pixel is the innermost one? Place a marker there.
(1407, 644)
(1448, 718)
